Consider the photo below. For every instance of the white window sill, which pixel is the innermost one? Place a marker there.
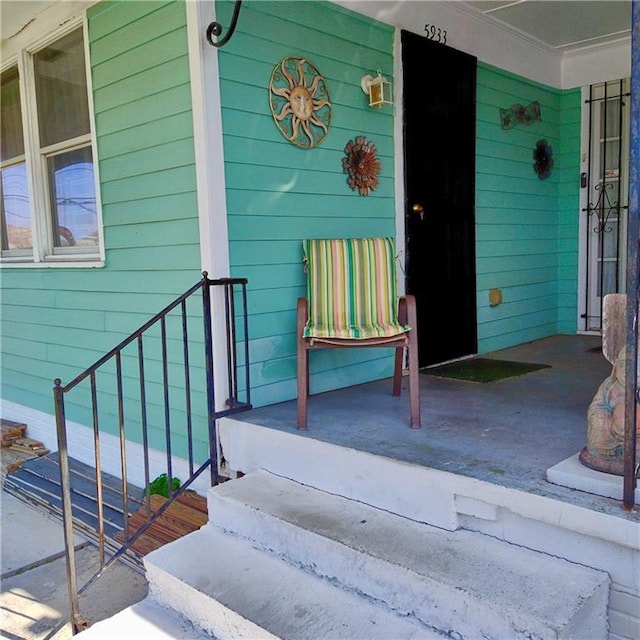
(17, 263)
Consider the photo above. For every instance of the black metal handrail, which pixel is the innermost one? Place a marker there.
(119, 385)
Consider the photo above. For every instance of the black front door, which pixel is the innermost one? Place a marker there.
(439, 102)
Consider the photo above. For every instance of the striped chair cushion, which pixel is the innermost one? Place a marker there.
(351, 288)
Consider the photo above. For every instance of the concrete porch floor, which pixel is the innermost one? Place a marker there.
(508, 432)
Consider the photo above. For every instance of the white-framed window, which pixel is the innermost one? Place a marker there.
(49, 209)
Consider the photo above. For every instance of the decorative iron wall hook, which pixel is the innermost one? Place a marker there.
(215, 28)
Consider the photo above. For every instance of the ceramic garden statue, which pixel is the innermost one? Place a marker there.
(605, 417)
(605, 423)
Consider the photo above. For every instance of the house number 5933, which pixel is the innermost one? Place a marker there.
(436, 33)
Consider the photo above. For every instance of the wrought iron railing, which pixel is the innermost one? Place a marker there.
(155, 393)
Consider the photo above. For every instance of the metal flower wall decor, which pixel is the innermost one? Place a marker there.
(299, 101)
(361, 165)
(543, 156)
(520, 114)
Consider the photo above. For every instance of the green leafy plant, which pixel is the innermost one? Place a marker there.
(160, 486)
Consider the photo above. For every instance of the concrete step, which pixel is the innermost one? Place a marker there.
(457, 582)
(146, 619)
(278, 559)
(233, 591)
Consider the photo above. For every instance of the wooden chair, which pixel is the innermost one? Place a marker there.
(351, 302)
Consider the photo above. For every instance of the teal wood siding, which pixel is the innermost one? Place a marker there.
(524, 224)
(569, 210)
(278, 194)
(56, 322)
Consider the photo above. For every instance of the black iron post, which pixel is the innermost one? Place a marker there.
(633, 285)
(77, 623)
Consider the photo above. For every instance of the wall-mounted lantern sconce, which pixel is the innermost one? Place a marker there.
(378, 89)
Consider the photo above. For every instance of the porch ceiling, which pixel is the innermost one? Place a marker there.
(563, 25)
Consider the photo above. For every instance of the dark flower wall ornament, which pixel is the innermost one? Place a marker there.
(543, 156)
(361, 165)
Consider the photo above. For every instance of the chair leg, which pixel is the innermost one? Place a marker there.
(303, 389)
(302, 365)
(397, 372)
(414, 373)
(397, 367)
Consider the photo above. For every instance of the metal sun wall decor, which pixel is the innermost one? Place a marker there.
(299, 101)
(519, 114)
(543, 156)
(361, 165)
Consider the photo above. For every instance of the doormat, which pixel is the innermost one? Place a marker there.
(483, 369)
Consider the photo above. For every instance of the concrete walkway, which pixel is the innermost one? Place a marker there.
(33, 596)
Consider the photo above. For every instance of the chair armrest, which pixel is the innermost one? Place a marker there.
(302, 315)
(407, 313)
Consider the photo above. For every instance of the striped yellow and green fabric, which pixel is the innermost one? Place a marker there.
(351, 288)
